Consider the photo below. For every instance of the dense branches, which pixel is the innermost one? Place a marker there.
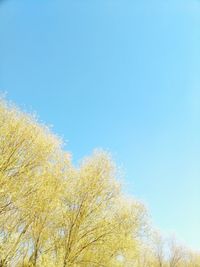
(53, 214)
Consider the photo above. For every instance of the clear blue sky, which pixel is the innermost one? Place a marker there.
(123, 75)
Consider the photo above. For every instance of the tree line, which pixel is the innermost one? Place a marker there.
(55, 214)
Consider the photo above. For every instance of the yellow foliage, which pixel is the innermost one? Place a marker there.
(55, 215)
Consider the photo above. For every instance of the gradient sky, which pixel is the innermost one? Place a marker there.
(123, 75)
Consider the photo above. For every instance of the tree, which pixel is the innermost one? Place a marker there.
(29, 156)
(158, 248)
(96, 225)
(176, 253)
(53, 214)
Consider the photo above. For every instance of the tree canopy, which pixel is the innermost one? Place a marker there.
(55, 214)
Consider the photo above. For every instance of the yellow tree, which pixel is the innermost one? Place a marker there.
(176, 253)
(28, 151)
(159, 249)
(97, 226)
(53, 214)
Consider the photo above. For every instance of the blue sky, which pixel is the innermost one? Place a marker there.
(122, 75)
